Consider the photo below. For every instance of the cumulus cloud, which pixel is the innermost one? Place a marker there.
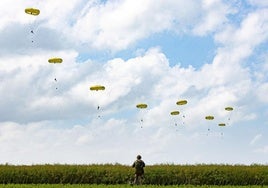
(53, 117)
(113, 26)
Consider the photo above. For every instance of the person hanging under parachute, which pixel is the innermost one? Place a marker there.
(175, 113)
(182, 103)
(97, 88)
(141, 106)
(33, 12)
(221, 125)
(55, 60)
(229, 109)
(209, 118)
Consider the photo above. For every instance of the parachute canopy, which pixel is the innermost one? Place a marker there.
(32, 11)
(55, 60)
(141, 105)
(181, 102)
(229, 108)
(209, 117)
(97, 88)
(173, 113)
(222, 124)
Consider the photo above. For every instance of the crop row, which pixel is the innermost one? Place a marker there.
(122, 174)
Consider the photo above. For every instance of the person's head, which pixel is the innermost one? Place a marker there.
(138, 157)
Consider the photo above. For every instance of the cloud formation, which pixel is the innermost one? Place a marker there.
(50, 109)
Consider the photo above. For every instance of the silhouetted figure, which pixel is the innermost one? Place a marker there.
(139, 171)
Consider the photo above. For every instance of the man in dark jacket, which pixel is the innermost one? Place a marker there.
(139, 171)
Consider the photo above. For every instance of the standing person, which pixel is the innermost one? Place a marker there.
(139, 172)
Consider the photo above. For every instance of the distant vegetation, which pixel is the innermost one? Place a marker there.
(120, 186)
(121, 174)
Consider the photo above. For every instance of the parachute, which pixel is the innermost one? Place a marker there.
(97, 88)
(141, 106)
(32, 11)
(209, 117)
(55, 60)
(229, 108)
(173, 113)
(181, 103)
(221, 125)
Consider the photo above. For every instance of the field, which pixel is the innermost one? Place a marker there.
(117, 186)
(116, 174)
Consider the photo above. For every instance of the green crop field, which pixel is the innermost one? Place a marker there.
(108, 174)
(116, 186)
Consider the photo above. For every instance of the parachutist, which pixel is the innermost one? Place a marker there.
(32, 31)
(98, 107)
(55, 79)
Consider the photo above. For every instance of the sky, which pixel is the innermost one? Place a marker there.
(212, 53)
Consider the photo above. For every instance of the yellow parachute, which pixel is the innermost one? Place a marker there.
(209, 117)
(55, 60)
(221, 124)
(229, 108)
(32, 11)
(142, 105)
(97, 88)
(173, 113)
(181, 102)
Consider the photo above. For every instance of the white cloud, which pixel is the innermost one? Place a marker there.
(52, 122)
(263, 150)
(115, 25)
(214, 16)
(243, 40)
(118, 24)
(255, 139)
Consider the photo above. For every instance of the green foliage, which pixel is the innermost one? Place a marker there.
(121, 174)
(116, 186)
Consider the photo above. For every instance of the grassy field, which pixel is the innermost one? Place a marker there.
(239, 175)
(117, 186)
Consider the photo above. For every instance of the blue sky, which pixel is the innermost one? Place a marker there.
(212, 53)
